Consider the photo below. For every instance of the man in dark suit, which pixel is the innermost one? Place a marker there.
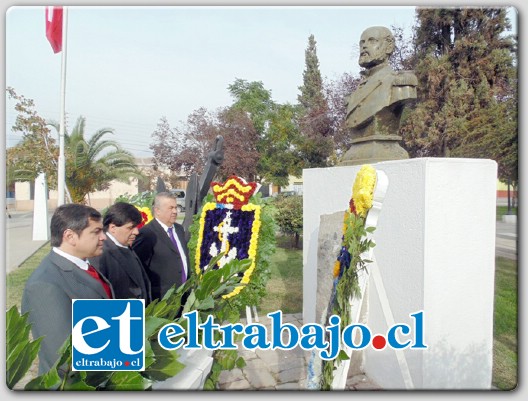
(63, 275)
(161, 247)
(119, 263)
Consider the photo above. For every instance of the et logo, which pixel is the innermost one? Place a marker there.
(108, 334)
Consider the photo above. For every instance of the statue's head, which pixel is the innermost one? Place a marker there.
(375, 46)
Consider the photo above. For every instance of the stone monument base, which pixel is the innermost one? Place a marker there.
(373, 151)
(434, 254)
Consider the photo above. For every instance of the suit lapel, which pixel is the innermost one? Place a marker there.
(161, 233)
(79, 275)
(116, 254)
(178, 229)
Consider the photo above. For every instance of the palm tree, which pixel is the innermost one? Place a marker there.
(91, 164)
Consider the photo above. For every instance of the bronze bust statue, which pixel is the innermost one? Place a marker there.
(374, 109)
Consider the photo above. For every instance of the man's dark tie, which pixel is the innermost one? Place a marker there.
(171, 236)
(92, 272)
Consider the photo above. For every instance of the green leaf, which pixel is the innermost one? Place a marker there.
(48, 381)
(207, 303)
(342, 356)
(120, 381)
(153, 324)
(209, 385)
(166, 364)
(227, 359)
(190, 302)
(77, 383)
(211, 279)
(150, 358)
(95, 379)
(20, 351)
(240, 362)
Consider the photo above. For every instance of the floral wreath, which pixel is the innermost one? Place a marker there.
(359, 205)
(230, 226)
(146, 215)
(354, 244)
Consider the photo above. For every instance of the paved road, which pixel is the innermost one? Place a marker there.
(19, 243)
(506, 240)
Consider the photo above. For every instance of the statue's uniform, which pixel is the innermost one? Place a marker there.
(383, 87)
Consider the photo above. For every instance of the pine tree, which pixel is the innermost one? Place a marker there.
(467, 99)
(312, 89)
(316, 143)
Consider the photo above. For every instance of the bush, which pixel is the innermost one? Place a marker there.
(289, 216)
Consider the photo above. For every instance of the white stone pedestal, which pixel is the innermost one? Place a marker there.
(40, 210)
(435, 253)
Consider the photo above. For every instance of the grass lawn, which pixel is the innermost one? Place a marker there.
(16, 280)
(502, 210)
(505, 366)
(285, 284)
(285, 293)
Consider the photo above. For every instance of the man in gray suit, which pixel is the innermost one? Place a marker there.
(119, 263)
(63, 275)
(161, 247)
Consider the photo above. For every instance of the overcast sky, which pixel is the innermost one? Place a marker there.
(129, 66)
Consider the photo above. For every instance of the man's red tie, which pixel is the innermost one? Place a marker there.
(92, 272)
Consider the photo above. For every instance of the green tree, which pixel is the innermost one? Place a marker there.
(279, 157)
(312, 89)
(253, 98)
(315, 122)
(276, 126)
(289, 216)
(91, 164)
(37, 151)
(467, 99)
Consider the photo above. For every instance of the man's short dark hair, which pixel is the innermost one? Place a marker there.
(73, 217)
(121, 213)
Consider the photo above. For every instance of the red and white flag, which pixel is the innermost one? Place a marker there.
(54, 27)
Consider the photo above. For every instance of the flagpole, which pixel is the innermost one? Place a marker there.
(62, 161)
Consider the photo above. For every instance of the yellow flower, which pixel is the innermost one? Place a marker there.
(363, 190)
(337, 268)
(252, 251)
(346, 216)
